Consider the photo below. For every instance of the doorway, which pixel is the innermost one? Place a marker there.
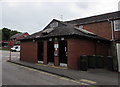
(50, 52)
(40, 52)
(63, 53)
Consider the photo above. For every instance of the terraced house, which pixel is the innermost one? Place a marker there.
(62, 43)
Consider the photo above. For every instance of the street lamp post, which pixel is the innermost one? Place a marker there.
(10, 55)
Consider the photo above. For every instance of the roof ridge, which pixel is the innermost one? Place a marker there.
(94, 16)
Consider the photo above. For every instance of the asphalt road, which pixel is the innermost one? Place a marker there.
(13, 74)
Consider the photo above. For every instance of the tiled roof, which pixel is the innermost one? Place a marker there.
(97, 18)
(17, 35)
(69, 28)
(63, 31)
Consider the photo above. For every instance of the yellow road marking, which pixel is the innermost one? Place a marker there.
(63, 78)
(88, 81)
(81, 83)
(41, 64)
(36, 70)
(52, 66)
(58, 67)
(39, 71)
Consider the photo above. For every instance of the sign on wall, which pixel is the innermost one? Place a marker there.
(118, 56)
(55, 45)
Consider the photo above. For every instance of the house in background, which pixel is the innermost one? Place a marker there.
(15, 39)
(106, 26)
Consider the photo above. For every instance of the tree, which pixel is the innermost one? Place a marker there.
(13, 32)
(7, 33)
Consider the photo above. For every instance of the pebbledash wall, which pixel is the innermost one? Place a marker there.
(75, 47)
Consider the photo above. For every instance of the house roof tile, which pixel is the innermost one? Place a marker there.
(64, 31)
(97, 18)
(70, 29)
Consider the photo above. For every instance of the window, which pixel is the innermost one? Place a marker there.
(117, 25)
(54, 24)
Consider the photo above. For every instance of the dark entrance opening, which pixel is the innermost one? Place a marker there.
(50, 51)
(63, 52)
(40, 52)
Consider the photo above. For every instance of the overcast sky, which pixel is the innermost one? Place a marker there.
(33, 15)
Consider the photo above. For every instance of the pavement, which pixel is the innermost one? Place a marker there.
(93, 76)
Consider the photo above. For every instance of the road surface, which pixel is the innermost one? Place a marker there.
(13, 74)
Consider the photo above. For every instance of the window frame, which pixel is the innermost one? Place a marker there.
(115, 21)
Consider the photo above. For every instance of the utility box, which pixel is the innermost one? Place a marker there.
(118, 56)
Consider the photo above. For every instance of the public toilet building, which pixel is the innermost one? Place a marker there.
(62, 44)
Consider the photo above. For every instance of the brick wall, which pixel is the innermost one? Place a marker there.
(77, 48)
(117, 35)
(45, 59)
(102, 49)
(29, 51)
(102, 29)
(84, 47)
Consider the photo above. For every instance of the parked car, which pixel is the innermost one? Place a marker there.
(15, 48)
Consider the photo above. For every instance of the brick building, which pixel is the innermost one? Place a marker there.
(15, 39)
(64, 42)
(100, 24)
